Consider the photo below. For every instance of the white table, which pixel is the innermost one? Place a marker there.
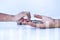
(12, 31)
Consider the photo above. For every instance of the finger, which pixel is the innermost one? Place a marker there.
(36, 25)
(23, 14)
(26, 14)
(38, 16)
(23, 21)
(40, 26)
(20, 20)
(31, 24)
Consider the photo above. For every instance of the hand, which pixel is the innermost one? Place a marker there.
(20, 17)
(48, 22)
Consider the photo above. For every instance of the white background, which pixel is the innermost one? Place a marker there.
(11, 31)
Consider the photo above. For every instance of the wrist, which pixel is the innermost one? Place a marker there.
(57, 23)
(13, 18)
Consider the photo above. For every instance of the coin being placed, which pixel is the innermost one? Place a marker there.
(34, 21)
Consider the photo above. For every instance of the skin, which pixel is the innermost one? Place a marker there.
(48, 22)
(51, 23)
(15, 18)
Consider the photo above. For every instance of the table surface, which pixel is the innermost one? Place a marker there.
(12, 31)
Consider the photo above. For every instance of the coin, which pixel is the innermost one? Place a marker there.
(34, 21)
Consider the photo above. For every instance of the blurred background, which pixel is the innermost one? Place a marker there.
(12, 31)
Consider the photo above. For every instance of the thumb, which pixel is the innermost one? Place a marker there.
(38, 16)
